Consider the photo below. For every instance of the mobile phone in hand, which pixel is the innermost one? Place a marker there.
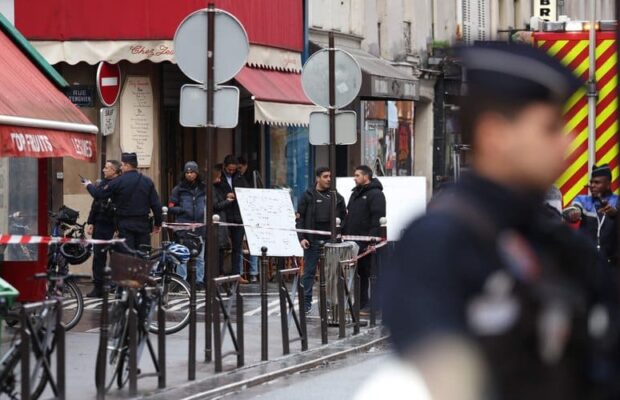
(82, 179)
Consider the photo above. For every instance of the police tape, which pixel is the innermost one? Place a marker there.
(182, 226)
(369, 250)
(27, 239)
(355, 238)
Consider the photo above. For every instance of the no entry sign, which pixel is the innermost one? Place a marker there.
(108, 82)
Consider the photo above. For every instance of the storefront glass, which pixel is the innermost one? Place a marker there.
(290, 159)
(19, 204)
(387, 137)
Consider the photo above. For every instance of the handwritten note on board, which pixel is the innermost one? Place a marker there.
(265, 210)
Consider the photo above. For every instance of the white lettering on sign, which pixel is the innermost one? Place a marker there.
(32, 143)
(546, 9)
(82, 147)
(112, 81)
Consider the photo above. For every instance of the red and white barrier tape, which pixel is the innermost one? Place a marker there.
(182, 226)
(27, 239)
(369, 250)
(355, 238)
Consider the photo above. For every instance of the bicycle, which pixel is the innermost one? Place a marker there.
(40, 325)
(19, 251)
(60, 256)
(138, 292)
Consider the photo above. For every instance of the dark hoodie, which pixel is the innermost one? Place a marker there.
(313, 210)
(366, 207)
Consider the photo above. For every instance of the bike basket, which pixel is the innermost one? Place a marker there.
(67, 215)
(130, 271)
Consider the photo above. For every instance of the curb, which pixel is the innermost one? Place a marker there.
(184, 392)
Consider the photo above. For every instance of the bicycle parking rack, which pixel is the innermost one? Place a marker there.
(348, 297)
(219, 331)
(287, 309)
(264, 317)
(30, 341)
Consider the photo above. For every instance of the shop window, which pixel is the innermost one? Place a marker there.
(290, 160)
(19, 204)
(387, 137)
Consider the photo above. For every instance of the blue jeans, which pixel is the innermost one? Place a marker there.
(254, 265)
(200, 266)
(311, 259)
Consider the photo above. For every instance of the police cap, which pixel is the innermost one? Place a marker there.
(601, 170)
(516, 71)
(129, 158)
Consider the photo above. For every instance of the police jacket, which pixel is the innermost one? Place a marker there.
(606, 239)
(102, 211)
(314, 209)
(232, 208)
(488, 265)
(133, 194)
(366, 207)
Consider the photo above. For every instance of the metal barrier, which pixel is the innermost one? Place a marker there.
(348, 296)
(287, 309)
(219, 332)
(323, 295)
(264, 321)
(31, 340)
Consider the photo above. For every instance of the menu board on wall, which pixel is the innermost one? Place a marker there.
(136, 130)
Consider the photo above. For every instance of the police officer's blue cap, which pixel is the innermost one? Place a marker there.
(129, 157)
(601, 170)
(516, 71)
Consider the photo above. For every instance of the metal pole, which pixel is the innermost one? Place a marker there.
(332, 135)
(323, 295)
(211, 266)
(103, 335)
(373, 284)
(240, 328)
(161, 341)
(283, 314)
(341, 302)
(24, 351)
(191, 361)
(264, 268)
(592, 92)
(133, 343)
(60, 352)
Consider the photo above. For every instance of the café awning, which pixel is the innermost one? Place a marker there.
(279, 98)
(36, 118)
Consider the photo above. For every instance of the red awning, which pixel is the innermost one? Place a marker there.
(273, 23)
(279, 98)
(277, 86)
(36, 119)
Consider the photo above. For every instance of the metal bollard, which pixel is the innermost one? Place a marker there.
(240, 328)
(283, 314)
(263, 305)
(217, 336)
(373, 284)
(323, 295)
(24, 351)
(103, 335)
(161, 342)
(356, 304)
(60, 351)
(302, 315)
(191, 363)
(133, 343)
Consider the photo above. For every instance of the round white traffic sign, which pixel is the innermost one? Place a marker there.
(231, 46)
(315, 78)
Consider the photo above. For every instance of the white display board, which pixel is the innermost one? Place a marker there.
(405, 198)
(270, 209)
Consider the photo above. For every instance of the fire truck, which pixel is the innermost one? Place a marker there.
(569, 42)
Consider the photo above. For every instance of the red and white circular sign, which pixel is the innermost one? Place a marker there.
(108, 82)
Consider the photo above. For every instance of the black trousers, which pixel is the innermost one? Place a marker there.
(135, 232)
(105, 231)
(363, 268)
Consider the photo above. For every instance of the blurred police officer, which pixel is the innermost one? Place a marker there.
(313, 212)
(486, 291)
(366, 207)
(101, 225)
(134, 195)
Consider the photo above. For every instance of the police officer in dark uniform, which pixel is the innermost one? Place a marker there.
(101, 225)
(487, 292)
(134, 195)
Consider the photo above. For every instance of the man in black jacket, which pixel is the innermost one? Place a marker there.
(366, 207)
(134, 195)
(231, 179)
(313, 212)
(100, 224)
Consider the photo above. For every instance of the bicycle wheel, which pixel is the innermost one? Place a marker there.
(72, 304)
(175, 297)
(117, 344)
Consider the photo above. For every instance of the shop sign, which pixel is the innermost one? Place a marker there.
(546, 9)
(394, 88)
(81, 95)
